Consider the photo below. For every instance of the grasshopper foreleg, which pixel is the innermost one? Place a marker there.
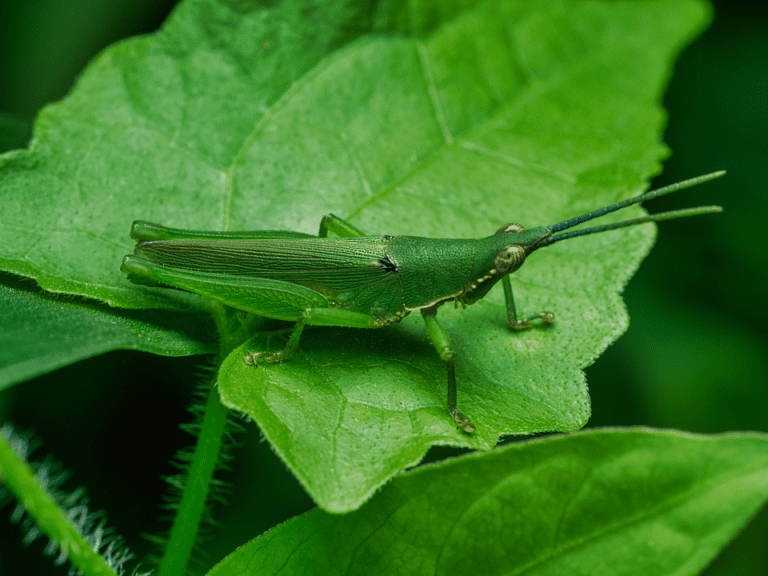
(513, 323)
(444, 348)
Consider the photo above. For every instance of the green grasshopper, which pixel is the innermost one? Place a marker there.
(356, 280)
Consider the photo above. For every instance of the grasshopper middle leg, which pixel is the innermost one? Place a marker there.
(338, 226)
(444, 348)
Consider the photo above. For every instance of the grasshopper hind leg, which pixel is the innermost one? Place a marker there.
(252, 358)
(317, 317)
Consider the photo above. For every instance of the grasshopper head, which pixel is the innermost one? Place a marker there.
(505, 251)
(514, 243)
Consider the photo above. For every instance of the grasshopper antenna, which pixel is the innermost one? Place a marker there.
(565, 224)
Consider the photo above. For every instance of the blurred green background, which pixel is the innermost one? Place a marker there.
(694, 357)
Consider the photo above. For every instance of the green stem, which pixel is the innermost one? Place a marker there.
(193, 503)
(50, 517)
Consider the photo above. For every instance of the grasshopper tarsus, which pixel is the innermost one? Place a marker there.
(462, 421)
(252, 358)
(547, 319)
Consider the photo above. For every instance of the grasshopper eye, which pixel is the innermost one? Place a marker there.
(511, 227)
(509, 259)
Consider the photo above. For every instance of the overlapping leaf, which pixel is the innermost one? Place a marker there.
(41, 332)
(630, 502)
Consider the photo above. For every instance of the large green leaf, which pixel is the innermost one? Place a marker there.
(354, 407)
(436, 119)
(632, 502)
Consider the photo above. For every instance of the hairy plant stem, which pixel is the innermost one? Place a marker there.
(232, 331)
(48, 514)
